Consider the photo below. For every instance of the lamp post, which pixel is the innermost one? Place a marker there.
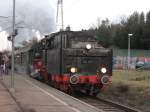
(12, 39)
(129, 36)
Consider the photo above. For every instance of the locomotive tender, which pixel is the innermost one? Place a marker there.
(70, 61)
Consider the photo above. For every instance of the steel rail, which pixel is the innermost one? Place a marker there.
(107, 105)
(119, 105)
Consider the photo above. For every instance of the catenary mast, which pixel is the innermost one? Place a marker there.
(59, 16)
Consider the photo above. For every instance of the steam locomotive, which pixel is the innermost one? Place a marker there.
(70, 61)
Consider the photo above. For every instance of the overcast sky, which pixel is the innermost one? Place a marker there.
(79, 14)
(30, 14)
(82, 14)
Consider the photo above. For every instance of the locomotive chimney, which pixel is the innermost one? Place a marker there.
(68, 28)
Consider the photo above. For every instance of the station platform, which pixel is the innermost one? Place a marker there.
(30, 95)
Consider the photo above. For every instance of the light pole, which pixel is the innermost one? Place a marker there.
(12, 39)
(129, 36)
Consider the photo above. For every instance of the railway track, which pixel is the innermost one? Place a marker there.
(106, 105)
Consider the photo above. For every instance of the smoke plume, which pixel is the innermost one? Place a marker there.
(32, 16)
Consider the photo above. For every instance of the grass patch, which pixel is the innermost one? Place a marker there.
(132, 78)
(130, 88)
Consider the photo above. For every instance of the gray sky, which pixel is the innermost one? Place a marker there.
(32, 14)
(79, 14)
(84, 13)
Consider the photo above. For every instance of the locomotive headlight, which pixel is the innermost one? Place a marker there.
(73, 70)
(88, 46)
(103, 70)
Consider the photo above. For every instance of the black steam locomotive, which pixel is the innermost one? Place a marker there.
(70, 61)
